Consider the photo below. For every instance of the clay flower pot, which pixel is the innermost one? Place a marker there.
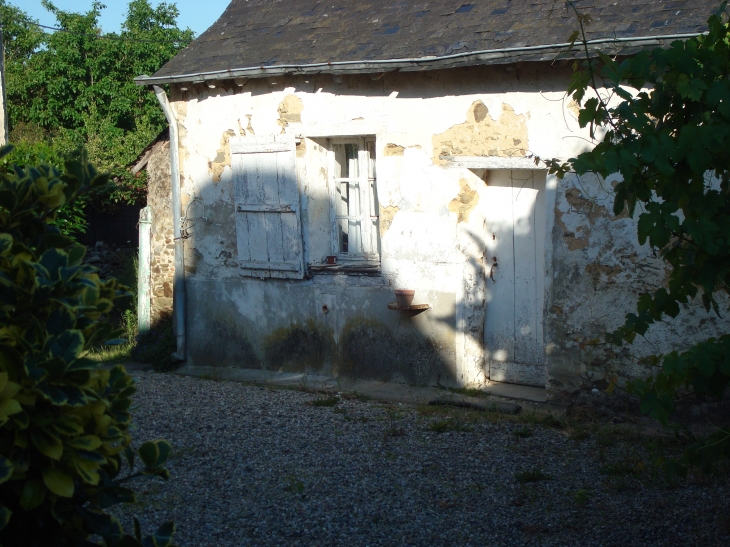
(404, 297)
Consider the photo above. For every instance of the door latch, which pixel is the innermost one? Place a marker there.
(491, 270)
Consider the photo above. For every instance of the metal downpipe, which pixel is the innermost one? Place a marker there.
(178, 287)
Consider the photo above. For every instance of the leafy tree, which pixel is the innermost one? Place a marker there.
(64, 421)
(74, 89)
(666, 118)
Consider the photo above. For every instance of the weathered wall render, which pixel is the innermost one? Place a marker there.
(432, 230)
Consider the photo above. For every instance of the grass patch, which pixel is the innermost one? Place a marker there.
(449, 424)
(325, 401)
(551, 422)
(111, 354)
(581, 496)
(523, 432)
(622, 468)
(464, 415)
(468, 391)
(394, 432)
(579, 434)
(293, 485)
(533, 475)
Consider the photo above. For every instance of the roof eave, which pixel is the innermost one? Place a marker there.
(546, 52)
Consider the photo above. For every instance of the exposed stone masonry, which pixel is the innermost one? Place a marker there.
(162, 246)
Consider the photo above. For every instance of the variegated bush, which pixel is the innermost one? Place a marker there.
(64, 420)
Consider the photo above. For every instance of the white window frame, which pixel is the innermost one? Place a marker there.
(369, 215)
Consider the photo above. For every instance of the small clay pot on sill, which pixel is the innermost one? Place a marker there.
(404, 297)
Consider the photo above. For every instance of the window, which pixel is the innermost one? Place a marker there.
(354, 202)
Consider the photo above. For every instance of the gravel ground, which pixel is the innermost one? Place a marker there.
(258, 466)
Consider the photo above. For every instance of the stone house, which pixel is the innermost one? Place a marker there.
(325, 154)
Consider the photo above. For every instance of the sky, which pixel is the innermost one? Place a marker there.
(196, 14)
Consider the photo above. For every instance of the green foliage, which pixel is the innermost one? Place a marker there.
(76, 88)
(669, 139)
(156, 347)
(449, 424)
(64, 421)
(326, 401)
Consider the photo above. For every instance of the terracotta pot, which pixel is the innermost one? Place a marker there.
(404, 297)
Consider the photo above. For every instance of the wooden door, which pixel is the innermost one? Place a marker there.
(513, 337)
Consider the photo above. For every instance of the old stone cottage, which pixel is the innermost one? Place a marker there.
(326, 153)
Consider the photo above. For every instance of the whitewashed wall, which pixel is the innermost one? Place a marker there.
(433, 219)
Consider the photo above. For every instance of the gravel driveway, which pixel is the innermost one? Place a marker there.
(257, 466)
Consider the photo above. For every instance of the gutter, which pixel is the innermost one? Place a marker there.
(504, 55)
(178, 287)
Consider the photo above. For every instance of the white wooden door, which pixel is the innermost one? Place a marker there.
(513, 337)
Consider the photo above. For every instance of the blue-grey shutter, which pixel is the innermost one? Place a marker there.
(268, 224)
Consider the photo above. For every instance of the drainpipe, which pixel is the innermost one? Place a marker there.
(178, 287)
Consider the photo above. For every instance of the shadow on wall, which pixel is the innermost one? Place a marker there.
(372, 350)
(299, 348)
(370, 345)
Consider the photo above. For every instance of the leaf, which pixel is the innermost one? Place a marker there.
(32, 495)
(150, 453)
(59, 321)
(67, 345)
(572, 38)
(58, 482)
(6, 469)
(163, 535)
(53, 260)
(128, 541)
(5, 513)
(48, 445)
(6, 243)
(107, 526)
(657, 406)
(129, 456)
(86, 442)
(52, 394)
(9, 407)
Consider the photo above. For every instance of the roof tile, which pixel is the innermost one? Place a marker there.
(255, 33)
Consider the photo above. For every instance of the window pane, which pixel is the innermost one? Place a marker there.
(345, 160)
(342, 198)
(343, 234)
(349, 236)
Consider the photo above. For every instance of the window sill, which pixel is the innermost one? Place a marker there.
(351, 268)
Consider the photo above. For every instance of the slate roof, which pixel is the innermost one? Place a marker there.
(257, 38)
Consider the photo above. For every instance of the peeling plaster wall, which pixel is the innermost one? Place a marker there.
(599, 271)
(432, 228)
(483, 135)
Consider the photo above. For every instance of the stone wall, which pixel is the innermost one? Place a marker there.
(162, 247)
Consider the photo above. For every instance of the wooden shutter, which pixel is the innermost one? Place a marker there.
(268, 225)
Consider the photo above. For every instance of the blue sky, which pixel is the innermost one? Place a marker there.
(196, 14)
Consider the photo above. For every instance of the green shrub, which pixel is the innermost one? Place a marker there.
(156, 347)
(64, 421)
